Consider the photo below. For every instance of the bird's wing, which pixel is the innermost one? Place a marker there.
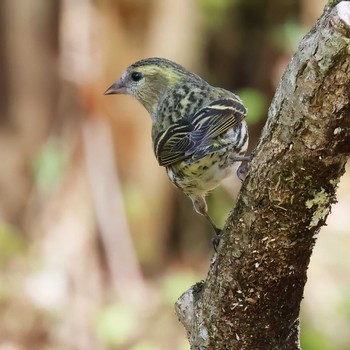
(187, 137)
(169, 145)
(215, 119)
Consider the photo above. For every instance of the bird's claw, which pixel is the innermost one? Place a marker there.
(243, 168)
(242, 171)
(216, 239)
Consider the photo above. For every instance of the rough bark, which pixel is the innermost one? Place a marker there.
(251, 297)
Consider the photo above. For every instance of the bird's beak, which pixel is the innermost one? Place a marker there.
(117, 87)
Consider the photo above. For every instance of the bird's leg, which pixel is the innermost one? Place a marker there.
(200, 206)
(242, 158)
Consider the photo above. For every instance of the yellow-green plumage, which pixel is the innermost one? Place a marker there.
(198, 130)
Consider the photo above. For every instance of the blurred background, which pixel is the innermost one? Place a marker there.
(95, 243)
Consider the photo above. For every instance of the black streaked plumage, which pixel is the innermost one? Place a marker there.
(198, 131)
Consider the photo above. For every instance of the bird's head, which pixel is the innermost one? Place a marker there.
(149, 79)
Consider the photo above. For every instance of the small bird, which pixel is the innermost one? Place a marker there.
(198, 131)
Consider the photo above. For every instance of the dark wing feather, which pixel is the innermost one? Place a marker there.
(187, 137)
(170, 144)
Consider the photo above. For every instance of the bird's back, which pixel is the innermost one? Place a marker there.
(184, 101)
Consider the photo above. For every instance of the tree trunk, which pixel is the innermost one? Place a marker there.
(251, 297)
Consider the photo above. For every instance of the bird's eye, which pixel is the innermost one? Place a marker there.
(136, 76)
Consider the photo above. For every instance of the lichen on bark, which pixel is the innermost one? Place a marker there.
(251, 297)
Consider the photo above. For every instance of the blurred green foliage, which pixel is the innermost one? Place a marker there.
(256, 103)
(288, 35)
(49, 165)
(220, 203)
(343, 307)
(213, 12)
(311, 339)
(145, 345)
(117, 323)
(134, 202)
(12, 243)
(120, 325)
(176, 283)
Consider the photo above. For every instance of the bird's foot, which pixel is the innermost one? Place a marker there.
(242, 171)
(243, 168)
(216, 239)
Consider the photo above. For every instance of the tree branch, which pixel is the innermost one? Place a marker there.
(251, 297)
